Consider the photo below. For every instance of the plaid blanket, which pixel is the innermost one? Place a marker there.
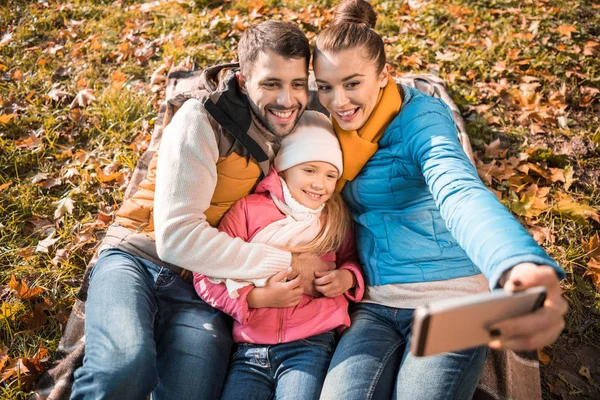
(507, 375)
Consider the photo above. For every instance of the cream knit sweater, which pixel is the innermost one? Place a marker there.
(185, 182)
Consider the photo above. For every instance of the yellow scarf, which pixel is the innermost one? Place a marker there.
(359, 146)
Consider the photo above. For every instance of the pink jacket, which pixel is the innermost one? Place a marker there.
(278, 325)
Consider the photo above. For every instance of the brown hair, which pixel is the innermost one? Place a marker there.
(352, 27)
(334, 231)
(282, 38)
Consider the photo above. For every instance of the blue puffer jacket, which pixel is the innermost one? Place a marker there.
(422, 212)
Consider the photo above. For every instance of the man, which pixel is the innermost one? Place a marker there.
(146, 330)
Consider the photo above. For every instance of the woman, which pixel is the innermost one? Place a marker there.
(426, 226)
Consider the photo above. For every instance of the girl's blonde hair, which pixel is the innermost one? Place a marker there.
(336, 225)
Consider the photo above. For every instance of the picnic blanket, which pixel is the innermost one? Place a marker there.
(507, 375)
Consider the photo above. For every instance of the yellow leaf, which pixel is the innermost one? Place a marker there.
(5, 118)
(569, 208)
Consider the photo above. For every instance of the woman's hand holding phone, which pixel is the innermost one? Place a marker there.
(540, 328)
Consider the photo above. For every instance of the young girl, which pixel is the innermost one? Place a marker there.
(427, 228)
(284, 339)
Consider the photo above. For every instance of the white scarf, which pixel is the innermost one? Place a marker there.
(299, 227)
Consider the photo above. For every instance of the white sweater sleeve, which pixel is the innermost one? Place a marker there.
(186, 178)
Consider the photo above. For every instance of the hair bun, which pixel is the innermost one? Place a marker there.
(355, 11)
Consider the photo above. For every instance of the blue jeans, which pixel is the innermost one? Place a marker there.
(372, 361)
(148, 332)
(285, 371)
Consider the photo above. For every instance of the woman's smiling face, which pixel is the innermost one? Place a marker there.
(348, 85)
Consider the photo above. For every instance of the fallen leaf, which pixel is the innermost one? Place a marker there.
(44, 245)
(570, 208)
(566, 30)
(63, 206)
(35, 319)
(585, 372)
(9, 311)
(117, 80)
(532, 203)
(593, 247)
(593, 270)
(59, 95)
(31, 142)
(493, 149)
(26, 252)
(83, 99)
(543, 357)
(60, 256)
(5, 118)
(446, 56)
(5, 185)
(568, 172)
(591, 48)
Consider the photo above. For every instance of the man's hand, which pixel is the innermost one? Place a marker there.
(334, 283)
(305, 266)
(277, 293)
(538, 329)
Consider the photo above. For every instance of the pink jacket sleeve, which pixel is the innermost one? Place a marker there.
(347, 258)
(234, 223)
(216, 295)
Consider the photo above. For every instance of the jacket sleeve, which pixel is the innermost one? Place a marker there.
(216, 295)
(185, 183)
(347, 258)
(492, 238)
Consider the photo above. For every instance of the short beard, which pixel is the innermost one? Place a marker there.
(263, 119)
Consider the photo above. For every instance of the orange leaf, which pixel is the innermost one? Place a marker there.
(593, 247)
(117, 80)
(5, 118)
(543, 357)
(22, 290)
(5, 185)
(566, 30)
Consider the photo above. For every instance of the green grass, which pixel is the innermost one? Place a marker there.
(476, 46)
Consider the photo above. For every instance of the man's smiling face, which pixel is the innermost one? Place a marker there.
(277, 89)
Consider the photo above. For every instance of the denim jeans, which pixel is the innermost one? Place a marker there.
(147, 331)
(372, 361)
(285, 371)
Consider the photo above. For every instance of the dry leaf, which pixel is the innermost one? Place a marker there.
(60, 256)
(566, 30)
(59, 95)
(570, 208)
(117, 80)
(543, 357)
(37, 318)
(22, 290)
(532, 203)
(493, 149)
(5, 185)
(44, 245)
(63, 206)
(446, 56)
(83, 99)
(5, 118)
(593, 247)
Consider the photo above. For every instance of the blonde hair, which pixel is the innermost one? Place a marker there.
(336, 225)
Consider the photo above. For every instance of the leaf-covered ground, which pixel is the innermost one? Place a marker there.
(80, 82)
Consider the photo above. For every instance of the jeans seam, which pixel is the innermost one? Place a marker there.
(460, 376)
(379, 372)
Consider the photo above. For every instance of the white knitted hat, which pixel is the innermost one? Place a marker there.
(313, 139)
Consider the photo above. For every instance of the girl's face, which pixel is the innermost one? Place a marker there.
(348, 86)
(312, 183)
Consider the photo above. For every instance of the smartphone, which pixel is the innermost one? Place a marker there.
(457, 324)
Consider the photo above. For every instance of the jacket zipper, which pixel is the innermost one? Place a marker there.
(280, 330)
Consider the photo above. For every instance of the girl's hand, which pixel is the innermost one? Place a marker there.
(334, 283)
(538, 329)
(277, 293)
